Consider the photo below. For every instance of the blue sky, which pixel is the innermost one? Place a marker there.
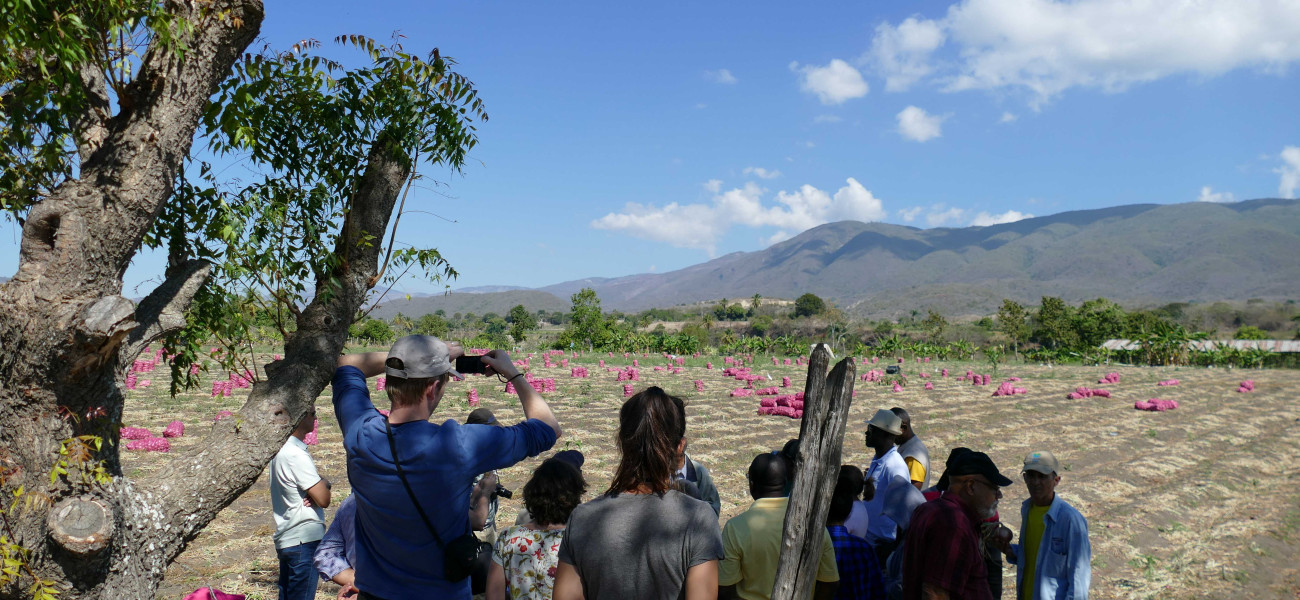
(635, 137)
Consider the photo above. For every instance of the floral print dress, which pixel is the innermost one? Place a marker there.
(529, 557)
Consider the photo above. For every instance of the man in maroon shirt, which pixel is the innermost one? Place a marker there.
(942, 557)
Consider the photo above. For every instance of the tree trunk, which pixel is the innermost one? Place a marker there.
(66, 333)
(821, 440)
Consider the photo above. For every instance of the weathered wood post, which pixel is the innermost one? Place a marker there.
(821, 438)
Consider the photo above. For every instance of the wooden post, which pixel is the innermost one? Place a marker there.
(821, 439)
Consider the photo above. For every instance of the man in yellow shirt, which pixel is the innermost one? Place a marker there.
(913, 451)
(1054, 556)
(751, 540)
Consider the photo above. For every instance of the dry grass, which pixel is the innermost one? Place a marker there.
(1198, 502)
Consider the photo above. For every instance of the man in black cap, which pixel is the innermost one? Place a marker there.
(942, 556)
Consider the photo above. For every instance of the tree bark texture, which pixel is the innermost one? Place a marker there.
(821, 439)
(66, 331)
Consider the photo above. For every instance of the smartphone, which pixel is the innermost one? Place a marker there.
(470, 363)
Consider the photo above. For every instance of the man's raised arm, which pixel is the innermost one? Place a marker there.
(534, 405)
(370, 363)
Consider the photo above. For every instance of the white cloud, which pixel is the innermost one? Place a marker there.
(1290, 171)
(701, 225)
(1007, 118)
(713, 186)
(701, 106)
(652, 269)
(909, 214)
(762, 173)
(917, 125)
(833, 83)
(939, 217)
(722, 76)
(984, 219)
(826, 119)
(1208, 195)
(902, 54)
(1045, 47)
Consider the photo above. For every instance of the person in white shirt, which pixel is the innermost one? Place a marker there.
(887, 470)
(298, 493)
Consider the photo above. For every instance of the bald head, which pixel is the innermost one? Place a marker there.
(768, 475)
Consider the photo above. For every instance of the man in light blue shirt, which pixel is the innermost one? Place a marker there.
(886, 472)
(1054, 557)
(397, 557)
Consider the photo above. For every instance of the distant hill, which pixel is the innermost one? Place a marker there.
(487, 289)
(1136, 254)
(478, 303)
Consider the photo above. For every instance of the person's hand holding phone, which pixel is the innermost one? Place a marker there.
(498, 362)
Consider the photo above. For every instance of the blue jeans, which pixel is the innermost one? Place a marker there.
(298, 577)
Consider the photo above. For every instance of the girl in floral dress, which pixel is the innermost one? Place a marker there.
(523, 565)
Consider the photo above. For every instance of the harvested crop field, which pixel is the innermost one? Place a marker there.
(1202, 501)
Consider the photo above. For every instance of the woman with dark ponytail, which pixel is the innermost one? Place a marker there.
(642, 538)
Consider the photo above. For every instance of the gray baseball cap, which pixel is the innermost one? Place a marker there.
(419, 357)
(1042, 461)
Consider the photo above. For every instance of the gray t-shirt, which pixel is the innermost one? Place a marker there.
(640, 545)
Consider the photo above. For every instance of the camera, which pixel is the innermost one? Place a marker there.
(470, 363)
(503, 492)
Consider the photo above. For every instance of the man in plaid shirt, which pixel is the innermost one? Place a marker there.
(942, 559)
(860, 574)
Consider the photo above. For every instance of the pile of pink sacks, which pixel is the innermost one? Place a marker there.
(1081, 392)
(471, 397)
(629, 374)
(1168, 382)
(788, 405)
(1246, 386)
(1006, 389)
(873, 376)
(141, 439)
(1155, 404)
(132, 382)
(785, 382)
(699, 385)
(974, 378)
(578, 372)
(1109, 378)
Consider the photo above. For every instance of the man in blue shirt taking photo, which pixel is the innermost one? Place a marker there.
(397, 556)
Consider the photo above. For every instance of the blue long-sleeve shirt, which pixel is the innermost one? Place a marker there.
(396, 556)
(1064, 567)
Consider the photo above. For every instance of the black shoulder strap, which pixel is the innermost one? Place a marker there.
(392, 445)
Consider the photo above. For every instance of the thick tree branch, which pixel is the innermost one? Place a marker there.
(163, 310)
(91, 124)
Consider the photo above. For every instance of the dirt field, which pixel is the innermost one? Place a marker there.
(1198, 502)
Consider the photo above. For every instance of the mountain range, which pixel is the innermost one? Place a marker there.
(1138, 255)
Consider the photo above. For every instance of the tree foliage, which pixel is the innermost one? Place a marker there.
(308, 124)
(808, 305)
(521, 322)
(587, 325)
